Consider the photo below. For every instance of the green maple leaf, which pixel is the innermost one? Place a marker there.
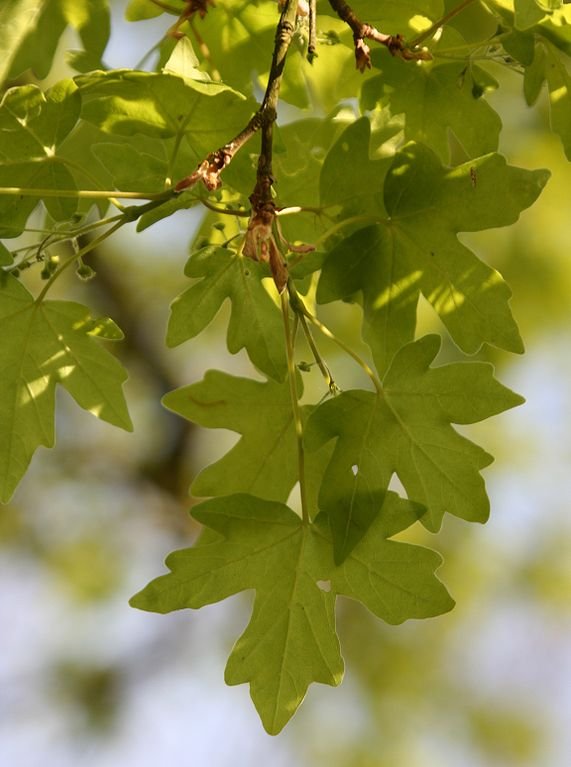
(435, 100)
(33, 125)
(407, 431)
(39, 27)
(18, 17)
(201, 115)
(264, 462)
(255, 322)
(528, 13)
(45, 344)
(413, 248)
(6, 258)
(550, 65)
(543, 46)
(290, 641)
(349, 177)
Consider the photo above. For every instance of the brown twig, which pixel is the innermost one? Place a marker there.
(361, 32)
(209, 170)
(191, 7)
(440, 23)
(312, 44)
(261, 236)
(260, 243)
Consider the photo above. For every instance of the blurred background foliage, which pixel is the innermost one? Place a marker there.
(85, 679)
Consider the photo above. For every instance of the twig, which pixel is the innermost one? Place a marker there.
(87, 194)
(440, 23)
(312, 44)
(260, 243)
(209, 170)
(395, 43)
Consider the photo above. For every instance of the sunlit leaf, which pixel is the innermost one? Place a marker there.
(45, 344)
(407, 430)
(255, 323)
(413, 248)
(290, 641)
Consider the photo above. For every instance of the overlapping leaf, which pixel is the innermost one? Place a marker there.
(435, 100)
(414, 248)
(255, 323)
(291, 641)
(545, 62)
(33, 126)
(204, 115)
(541, 42)
(44, 344)
(38, 28)
(17, 18)
(408, 431)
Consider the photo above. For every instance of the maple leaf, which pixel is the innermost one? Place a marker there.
(264, 462)
(33, 31)
(255, 322)
(33, 126)
(413, 247)
(45, 344)
(163, 106)
(407, 430)
(435, 100)
(541, 42)
(290, 640)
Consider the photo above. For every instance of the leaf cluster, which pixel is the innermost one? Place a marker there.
(364, 201)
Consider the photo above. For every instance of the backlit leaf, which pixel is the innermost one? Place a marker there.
(264, 462)
(290, 640)
(45, 344)
(33, 126)
(436, 100)
(408, 431)
(414, 248)
(255, 322)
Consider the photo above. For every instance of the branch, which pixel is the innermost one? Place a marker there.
(209, 170)
(361, 32)
(260, 244)
(440, 23)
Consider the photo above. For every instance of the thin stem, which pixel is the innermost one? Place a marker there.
(76, 256)
(292, 376)
(359, 360)
(205, 50)
(362, 219)
(300, 308)
(224, 211)
(209, 170)
(89, 194)
(440, 23)
(325, 372)
(312, 44)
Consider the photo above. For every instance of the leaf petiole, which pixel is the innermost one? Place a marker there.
(299, 307)
(439, 23)
(292, 377)
(77, 255)
(320, 362)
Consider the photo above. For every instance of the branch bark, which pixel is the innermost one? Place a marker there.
(395, 43)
